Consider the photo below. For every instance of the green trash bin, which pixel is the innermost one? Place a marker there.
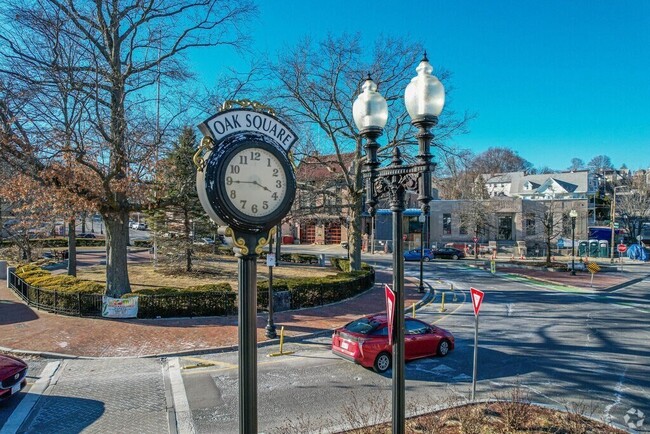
(593, 248)
(583, 248)
(603, 247)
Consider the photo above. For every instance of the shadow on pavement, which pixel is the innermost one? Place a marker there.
(13, 313)
(58, 414)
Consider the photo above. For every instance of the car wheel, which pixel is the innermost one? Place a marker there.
(382, 362)
(443, 348)
(427, 259)
(454, 257)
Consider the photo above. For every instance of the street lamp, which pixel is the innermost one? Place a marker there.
(424, 99)
(422, 218)
(573, 214)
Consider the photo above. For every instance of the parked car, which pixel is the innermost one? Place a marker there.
(365, 341)
(448, 253)
(13, 373)
(414, 255)
(141, 227)
(82, 235)
(204, 241)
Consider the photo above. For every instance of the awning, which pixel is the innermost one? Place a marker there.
(410, 212)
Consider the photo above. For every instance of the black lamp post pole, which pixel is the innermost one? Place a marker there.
(424, 136)
(394, 180)
(421, 287)
(573, 246)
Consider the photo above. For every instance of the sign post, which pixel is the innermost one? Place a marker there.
(593, 268)
(622, 248)
(477, 299)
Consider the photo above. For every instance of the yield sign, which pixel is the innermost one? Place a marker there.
(477, 299)
(390, 312)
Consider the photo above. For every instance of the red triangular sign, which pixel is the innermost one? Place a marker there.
(390, 311)
(477, 299)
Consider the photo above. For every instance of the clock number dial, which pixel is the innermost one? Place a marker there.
(256, 181)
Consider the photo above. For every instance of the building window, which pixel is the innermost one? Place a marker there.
(505, 228)
(462, 230)
(446, 224)
(530, 225)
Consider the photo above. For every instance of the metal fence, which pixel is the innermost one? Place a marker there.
(149, 306)
(76, 304)
(186, 304)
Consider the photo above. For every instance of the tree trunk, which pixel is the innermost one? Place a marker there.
(72, 248)
(188, 241)
(355, 240)
(117, 275)
(548, 251)
(83, 222)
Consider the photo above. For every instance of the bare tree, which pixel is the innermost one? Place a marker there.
(576, 164)
(600, 163)
(633, 206)
(477, 217)
(316, 85)
(107, 55)
(554, 221)
(499, 160)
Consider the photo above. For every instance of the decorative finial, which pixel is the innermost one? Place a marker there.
(424, 58)
(397, 157)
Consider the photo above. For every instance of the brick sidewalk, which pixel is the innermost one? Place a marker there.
(23, 328)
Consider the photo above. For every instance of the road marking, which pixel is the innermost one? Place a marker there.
(184, 422)
(460, 304)
(20, 413)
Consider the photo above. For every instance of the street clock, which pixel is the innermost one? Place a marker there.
(245, 179)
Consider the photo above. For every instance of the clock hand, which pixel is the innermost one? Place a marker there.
(263, 186)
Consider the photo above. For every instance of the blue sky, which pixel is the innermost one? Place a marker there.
(550, 79)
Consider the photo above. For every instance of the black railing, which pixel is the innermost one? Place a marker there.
(76, 304)
(149, 306)
(186, 304)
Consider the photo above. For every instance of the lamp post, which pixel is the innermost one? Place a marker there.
(424, 99)
(421, 219)
(573, 214)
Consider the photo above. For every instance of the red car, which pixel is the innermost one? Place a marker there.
(365, 341)
(13, 372)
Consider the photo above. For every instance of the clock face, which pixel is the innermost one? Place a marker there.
(254, 181)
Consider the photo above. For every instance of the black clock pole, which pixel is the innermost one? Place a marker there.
(226, 162)
(247, 259)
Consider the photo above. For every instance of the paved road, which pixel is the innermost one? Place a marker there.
(567, 349)
(564, 347)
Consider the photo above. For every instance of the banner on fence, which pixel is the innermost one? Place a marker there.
(120, 307)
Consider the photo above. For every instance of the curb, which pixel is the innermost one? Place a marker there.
(428, 294)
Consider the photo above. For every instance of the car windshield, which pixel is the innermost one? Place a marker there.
(363, 326)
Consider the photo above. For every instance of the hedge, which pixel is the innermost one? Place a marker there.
(200, 300)
(81, 242)
(299, 258)
(310, 291)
